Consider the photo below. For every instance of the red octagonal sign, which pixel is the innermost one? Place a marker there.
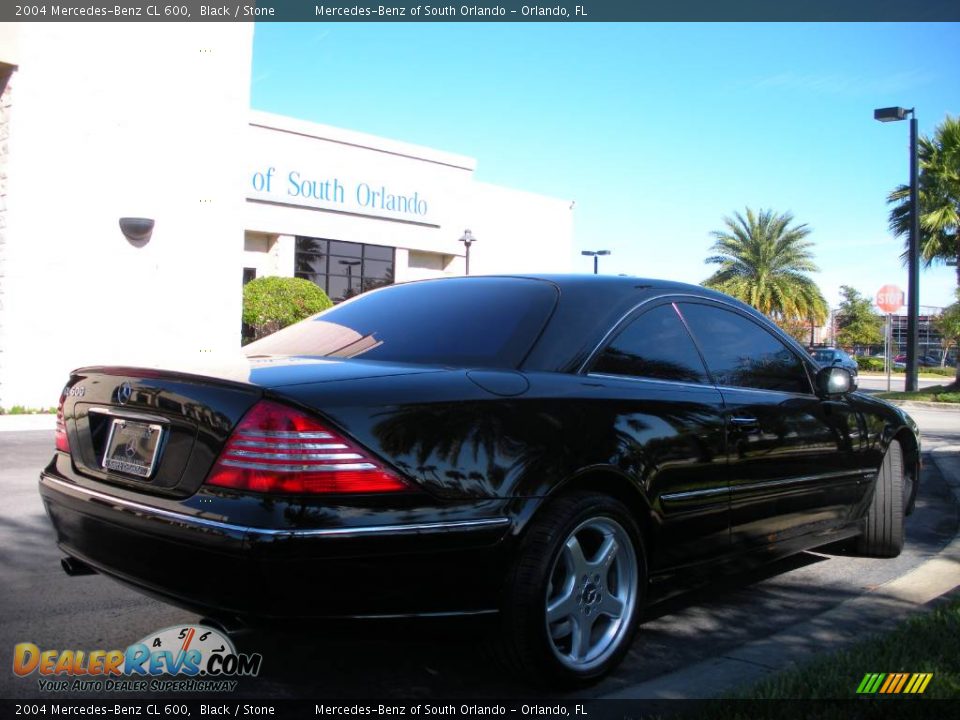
(889, 298)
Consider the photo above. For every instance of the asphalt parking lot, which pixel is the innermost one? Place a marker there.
(439, 659)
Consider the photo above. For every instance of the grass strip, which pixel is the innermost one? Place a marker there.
(934, 393)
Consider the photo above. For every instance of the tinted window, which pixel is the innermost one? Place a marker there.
(654, 345)
(480, 322)
(828, 356)
(740, 353)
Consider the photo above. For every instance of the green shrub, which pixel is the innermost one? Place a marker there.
(271, 303)
(870, 364)
(23, 410)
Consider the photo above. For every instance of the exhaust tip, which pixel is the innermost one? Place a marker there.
(73, 567)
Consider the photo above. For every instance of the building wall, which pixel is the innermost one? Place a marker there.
(116, 120)
(113, 120)
(516, 231)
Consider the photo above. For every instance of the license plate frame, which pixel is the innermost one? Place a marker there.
(132, 448)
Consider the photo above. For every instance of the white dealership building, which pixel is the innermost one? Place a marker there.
(102, 122)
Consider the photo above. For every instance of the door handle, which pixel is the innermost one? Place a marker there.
(743, 421)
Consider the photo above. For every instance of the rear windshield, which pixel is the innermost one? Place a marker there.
(485, 322)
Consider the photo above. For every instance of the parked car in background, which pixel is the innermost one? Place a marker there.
(549, 450)
(900, 361)
(835, 357)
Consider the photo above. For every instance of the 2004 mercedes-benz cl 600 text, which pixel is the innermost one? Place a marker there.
(546, 448)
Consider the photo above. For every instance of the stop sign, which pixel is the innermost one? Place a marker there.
(889, 298)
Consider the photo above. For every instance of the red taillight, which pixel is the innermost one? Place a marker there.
(277, 449)
(63, 443)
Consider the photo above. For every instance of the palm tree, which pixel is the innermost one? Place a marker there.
(762, 261)
(939, 196)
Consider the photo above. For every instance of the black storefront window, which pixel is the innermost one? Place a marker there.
(343, 269)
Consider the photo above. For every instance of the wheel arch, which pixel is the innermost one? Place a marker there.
(610, 482)
(911, 461)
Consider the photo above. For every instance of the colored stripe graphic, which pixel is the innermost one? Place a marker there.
(900, 683)
(894, 683)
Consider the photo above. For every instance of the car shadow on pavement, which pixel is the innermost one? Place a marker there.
(450, 658)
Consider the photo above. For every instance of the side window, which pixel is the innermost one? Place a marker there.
(740, 353)
(654, 345)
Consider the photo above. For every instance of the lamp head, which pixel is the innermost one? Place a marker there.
(890, 114)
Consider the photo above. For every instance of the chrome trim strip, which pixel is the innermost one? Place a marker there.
(410, 529)
(746, 487)
(708, 386)
(737, 388)
(706, 492)
(294, 456)
(298, 468)
(125, 414)
(438, 614)
(319, 435)
(290, 446)
(858, 475)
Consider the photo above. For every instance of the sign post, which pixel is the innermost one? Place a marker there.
(887, 360)
(890, 300)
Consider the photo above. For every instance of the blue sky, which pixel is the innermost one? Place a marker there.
(656, 131)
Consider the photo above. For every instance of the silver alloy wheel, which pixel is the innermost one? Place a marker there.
(592, 594)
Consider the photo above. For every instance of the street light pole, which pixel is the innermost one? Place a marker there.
(913, 248)
(913, 281)
(594, 254)
(468, 239)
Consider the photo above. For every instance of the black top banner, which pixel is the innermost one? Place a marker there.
(415, 11)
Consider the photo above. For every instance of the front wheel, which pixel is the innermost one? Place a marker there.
(883, 527)
(573, 599)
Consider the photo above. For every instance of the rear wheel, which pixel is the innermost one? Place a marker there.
(573, 598)
(883, 527)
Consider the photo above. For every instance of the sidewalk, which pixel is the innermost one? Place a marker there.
(838, 628)
(19, 423)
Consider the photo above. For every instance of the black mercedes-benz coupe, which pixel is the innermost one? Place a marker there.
(546, 448)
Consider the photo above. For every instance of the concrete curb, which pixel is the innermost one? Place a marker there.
(907, 404)
(24, 423)
(836, 629)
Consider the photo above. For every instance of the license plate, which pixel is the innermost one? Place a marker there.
(132, 447)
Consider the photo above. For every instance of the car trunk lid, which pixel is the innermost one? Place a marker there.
(160, 431)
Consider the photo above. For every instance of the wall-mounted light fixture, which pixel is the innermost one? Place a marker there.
(136, 230)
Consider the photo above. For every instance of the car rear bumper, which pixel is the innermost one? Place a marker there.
(453, 565)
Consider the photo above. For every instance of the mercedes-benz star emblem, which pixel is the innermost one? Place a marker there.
(123, 393)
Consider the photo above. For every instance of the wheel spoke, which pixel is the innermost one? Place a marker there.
(574, 556)
(606, 554)
(611, 606)
(580, 642)
(565, 605)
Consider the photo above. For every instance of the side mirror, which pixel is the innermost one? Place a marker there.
(833, 381)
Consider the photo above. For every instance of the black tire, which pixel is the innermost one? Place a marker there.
(584, 596)
(883, 526)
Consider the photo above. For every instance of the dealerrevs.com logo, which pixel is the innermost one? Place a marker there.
(199, 659)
